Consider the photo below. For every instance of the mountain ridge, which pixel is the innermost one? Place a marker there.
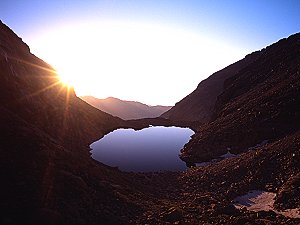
(256, 104)
(199, 105)
(47, 174)
(127, 110)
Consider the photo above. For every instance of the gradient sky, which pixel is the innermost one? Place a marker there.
(173, 45)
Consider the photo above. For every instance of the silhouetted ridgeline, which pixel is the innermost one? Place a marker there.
(127, 110)
(47, 176)
(249, 102)
(199, 105)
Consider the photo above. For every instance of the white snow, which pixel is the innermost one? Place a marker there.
(258, 200)
(228, 155)
(258, 145)
(203, 163)
(225, 156)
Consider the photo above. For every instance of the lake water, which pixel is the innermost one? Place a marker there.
(150, 149)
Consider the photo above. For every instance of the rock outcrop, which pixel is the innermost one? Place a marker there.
(288, 196)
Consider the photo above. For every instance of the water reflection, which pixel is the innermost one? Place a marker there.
(149, 149)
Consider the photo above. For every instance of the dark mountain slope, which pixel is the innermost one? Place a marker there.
(126, 110)
(259, 103)
(31, 89)
(46, 183)
(199, 105)
(46, 173)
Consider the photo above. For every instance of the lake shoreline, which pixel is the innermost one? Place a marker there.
(152, 149)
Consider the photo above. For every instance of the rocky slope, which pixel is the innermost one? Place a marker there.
(260, 103)
(199, 105)
(31, 90)
(127, 110)
(47, 175)
(204, 195)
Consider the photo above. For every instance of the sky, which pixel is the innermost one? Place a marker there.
(152, 51)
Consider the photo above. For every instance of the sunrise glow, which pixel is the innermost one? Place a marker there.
(155, 52)
(133, 61)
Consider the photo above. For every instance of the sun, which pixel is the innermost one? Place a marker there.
(64, 80)
(70, 78)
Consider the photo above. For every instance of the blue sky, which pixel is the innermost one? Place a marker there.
(252, 23)
(239, 26)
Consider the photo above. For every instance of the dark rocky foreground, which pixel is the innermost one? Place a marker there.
(48, 177)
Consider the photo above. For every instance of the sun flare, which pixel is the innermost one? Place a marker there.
(64, 80)
(133, 61)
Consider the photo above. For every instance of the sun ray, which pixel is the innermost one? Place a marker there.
(55, 76)
(58, 82)
(41, 90)
(35, 65)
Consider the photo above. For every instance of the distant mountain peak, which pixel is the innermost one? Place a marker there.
(125, 109)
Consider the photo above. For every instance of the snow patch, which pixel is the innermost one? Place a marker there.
(225, 156)
(257, 200)
(264, 142)
(228, 155)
